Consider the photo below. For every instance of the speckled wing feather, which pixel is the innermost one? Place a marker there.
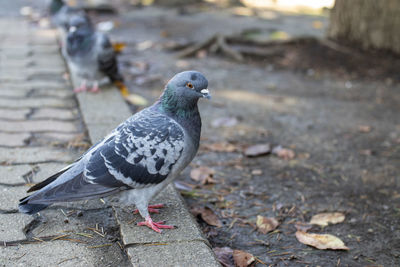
(107, 58)
(140, 153)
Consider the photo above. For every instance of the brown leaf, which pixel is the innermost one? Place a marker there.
(266, 225)
(302, 226)
(203, 174)
(242, 259)
(364, 128)
(321, 241)
(207, 215)
(118, 46)
(257, 150)
(224, 256)
(256, 172)
(284, 153)
(224, 122)
(220, 147)
(323, 219)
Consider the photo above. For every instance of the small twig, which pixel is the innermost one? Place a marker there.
(100, 246)
(67, 260)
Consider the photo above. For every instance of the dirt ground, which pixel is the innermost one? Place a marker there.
(339, 113)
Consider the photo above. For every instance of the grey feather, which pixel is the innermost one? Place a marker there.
(89, 53)
(140, 157)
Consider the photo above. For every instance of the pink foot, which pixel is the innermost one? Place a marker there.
(152, 208)
(156, 226)
(80, 89)
(95, 89)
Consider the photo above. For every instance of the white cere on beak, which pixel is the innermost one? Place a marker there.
(206, 93)
(72, 29)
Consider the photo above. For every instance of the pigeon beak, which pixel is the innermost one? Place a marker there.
(206, 93)
(72, 29)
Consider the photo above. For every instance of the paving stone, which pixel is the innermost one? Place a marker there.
(7, 93)
(41, 92)
(13, 139)
(61, 253)
(194, 253)
(92, 212)
(35, 84)
(11, 227)
(47, 138)
(35, 103)
(29, 155)
(39, 126)
(90, 109)
(37, 172)
(10, 196)
(13, 114)
(97, 131)
(175, 213)
(54, 113)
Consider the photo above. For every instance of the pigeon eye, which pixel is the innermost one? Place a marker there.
(190, 85)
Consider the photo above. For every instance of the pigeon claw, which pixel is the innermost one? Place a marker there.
(95, 89)
(152, 208)
(156, 226)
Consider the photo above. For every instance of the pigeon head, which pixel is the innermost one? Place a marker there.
(80, 25)
(183, 91)
(80, 35)
(55, 6)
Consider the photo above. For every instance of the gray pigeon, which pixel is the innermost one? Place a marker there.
(90, 55)
(61, 13)
(138, 159)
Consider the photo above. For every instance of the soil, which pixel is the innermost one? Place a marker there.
(339, 113)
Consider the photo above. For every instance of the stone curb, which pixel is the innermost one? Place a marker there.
(183, 246)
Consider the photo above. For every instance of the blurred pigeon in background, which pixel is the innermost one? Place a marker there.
(90, 55)
(61, 13)
(138, 159)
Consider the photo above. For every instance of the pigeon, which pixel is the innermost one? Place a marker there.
(90, 55)
(138, 158)
(61, 14)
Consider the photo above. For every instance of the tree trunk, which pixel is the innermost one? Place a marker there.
(367, 23)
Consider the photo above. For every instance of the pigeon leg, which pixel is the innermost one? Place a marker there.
(95, 87)
(152, 208)
(156, 226)
(81, 88)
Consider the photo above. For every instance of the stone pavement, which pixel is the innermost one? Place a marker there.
(41, 131)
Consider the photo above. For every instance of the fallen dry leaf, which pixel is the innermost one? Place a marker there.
(284, 153)
(224, 256)
(207, 215)
(302, 226)
(118, 46)
(323, 219)
(220, 147)
(321, 241)
(137, 100)
(224, 122)
(203, 174)
(266, 225)
(256, 172)
(364, 128)
(242, 259)
(257, 150)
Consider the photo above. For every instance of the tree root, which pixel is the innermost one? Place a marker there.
(237, 47)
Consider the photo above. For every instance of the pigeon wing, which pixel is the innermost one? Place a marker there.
(140, 153)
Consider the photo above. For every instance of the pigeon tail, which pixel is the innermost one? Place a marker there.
(30, 209)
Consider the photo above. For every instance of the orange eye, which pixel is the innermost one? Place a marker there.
(190, 85)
